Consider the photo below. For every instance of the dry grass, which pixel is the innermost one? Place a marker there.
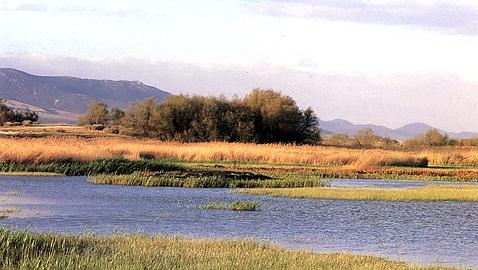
(459, 155)
(427, 193)
(57, 149)
(54, 149)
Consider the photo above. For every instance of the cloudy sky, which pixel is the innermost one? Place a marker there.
(388, 62)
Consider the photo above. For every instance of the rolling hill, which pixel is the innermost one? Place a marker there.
(405, 132)
(63, 99)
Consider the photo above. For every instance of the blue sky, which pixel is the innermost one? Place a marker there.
(387, 62)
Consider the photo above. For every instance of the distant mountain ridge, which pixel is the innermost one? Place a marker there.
(405, 132)
(63, 99)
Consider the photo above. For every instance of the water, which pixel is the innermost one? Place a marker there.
(423, 232)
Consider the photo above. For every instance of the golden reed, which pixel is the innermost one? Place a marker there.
(57, 149)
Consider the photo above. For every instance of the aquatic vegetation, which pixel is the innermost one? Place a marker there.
(426, 193)
(19, 173)
(244, 206)
(15, 193)
(113, 166)
(234, 206)
(81, 156)
(210, 181)
(25, 250)
(215, 205)
(5, 213)
(391, 173)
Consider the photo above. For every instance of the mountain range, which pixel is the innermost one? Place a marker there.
(60, 99)
(64, 99)
(408, 131)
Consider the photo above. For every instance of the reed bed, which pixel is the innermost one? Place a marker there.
(212, 181)
(346, 172)
(64, 149)
(427, 193)
(111, 166)
(234, 206)
(25, 250)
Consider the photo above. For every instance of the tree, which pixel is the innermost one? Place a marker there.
(278, 118)
(430, 138)
(143, 118)
(434, 138)
(263, 116)
(309, 127)
(115, 116)
(97, 114)
(4, 112)
(338, 139)
(7, 114)
(365, 137)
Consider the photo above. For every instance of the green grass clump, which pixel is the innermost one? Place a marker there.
(213, 181)
(426, 193)
(215, 206)
(104, 166)
(25, 250)
(234, 206)
(5, 213)
(244, 206)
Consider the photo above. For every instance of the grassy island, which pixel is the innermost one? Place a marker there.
(427, 193)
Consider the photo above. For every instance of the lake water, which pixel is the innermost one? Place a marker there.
(424, 232)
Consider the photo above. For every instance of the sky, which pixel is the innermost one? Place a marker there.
(386, 62)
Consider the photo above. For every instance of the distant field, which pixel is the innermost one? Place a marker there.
(49, 130)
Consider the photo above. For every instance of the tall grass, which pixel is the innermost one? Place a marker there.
(347, 172)
(111, 166)
(213, 181)
(427, 193)
(61, 149)
(24, 250)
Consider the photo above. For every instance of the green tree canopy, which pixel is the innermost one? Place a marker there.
(263, 116)
(8, 114)
(97, 113)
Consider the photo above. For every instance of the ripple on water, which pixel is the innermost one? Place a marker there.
(425, 232)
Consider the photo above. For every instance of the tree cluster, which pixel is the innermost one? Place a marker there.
(8, 114)
(99, 114)
(430, 138)
(363, 138)
(263, 116)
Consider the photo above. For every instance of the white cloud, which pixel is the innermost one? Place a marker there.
(224, 48)
(448, 16)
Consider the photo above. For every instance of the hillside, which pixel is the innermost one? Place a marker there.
(405, 132)
(63, 99)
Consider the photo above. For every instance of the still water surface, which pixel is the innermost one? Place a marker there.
(424, 232)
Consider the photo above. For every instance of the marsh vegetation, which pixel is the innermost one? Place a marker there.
(25, 250)
(115, 155)
(426, 193)
(207, 181)
(6, 213)
(234, 206)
